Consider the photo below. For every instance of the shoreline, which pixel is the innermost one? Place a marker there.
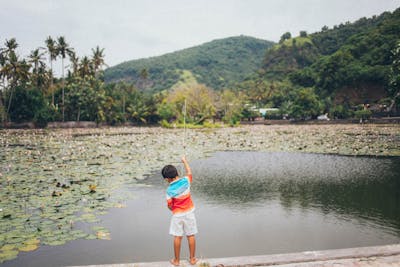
(92, 124)
(361, 256)
(332, 139)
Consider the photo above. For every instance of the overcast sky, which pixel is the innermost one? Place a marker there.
(131, 29)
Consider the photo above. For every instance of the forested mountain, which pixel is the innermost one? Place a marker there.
(217, 64)
(350, 62)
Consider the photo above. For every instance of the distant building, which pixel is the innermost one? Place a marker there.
(265, 111)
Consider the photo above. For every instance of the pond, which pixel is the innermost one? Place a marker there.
(250, 203)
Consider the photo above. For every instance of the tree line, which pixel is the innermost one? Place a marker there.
(30, 92)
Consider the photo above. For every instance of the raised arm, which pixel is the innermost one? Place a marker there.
(187, 167)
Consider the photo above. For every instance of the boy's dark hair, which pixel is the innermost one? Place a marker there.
(169, 171)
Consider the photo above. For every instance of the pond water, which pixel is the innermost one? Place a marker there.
(251, 203)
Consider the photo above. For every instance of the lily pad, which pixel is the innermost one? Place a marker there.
(55, 243)
(28, 247)
(8, 255)
(8, 247)
(89, 217)
(33, 241)
(103, 235)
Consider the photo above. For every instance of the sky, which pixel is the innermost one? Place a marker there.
(132, 29)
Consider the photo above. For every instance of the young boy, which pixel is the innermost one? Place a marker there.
(180, 203)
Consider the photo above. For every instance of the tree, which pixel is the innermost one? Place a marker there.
(305, 103)
(74, 59)
(85, 99)
(303, 34)
(230, 105)
(394, 84)
(143, 82)
(285, 36)
(53, 53)
(86, 68)
(14, 72)
(98, 59)
(200, 102)
(166, 111)
(27, 104)
(39, 67)
(137, 108)
(63, 49)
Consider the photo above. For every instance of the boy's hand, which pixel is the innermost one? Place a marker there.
(184, 159)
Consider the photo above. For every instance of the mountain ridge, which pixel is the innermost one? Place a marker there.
(219, 63)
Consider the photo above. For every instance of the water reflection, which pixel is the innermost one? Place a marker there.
(364, 187)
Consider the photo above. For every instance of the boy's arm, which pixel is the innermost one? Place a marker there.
(187, 168)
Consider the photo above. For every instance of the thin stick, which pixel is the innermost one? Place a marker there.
(184, 128)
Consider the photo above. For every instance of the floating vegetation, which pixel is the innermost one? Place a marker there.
(52, 180)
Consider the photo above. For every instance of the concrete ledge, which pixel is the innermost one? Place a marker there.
(306, 258)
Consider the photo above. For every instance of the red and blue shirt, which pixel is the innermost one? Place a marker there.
(179, 199)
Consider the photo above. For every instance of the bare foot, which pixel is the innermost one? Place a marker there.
(174, 262)
(193, 261)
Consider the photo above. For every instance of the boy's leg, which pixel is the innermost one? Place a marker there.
(192, 248)
(177, 250)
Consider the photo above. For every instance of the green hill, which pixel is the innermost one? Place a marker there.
(218, 64)
(352, 59)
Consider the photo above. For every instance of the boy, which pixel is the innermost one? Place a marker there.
(180, 203)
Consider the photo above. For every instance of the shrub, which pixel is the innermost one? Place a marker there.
(363, 114)
(165, 124)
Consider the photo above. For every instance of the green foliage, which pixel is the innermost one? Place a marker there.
(363, 114)
(85, 99)
(166, 111)
(273, 115)
(231, 106)
(43, 116)
(395, 71)
(341, 112)
(289, 56)
(165, 124)
(351, 55)
(249, 114)
(285, 36)
(217, 64)
(303, 34)
(26, 104)
(303, 103)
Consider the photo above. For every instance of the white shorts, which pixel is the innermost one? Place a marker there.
(183, 224)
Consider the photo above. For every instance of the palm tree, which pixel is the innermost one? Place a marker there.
(19, 73)
(98, 58)
(53, 53)
(11, 45)
(13, 72)
(36, 59)
(86, 68)
(74, 61)
(63, 48)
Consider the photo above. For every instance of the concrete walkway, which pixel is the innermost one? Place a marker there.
(365, 256)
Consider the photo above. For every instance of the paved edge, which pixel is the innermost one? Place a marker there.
(279, 259)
